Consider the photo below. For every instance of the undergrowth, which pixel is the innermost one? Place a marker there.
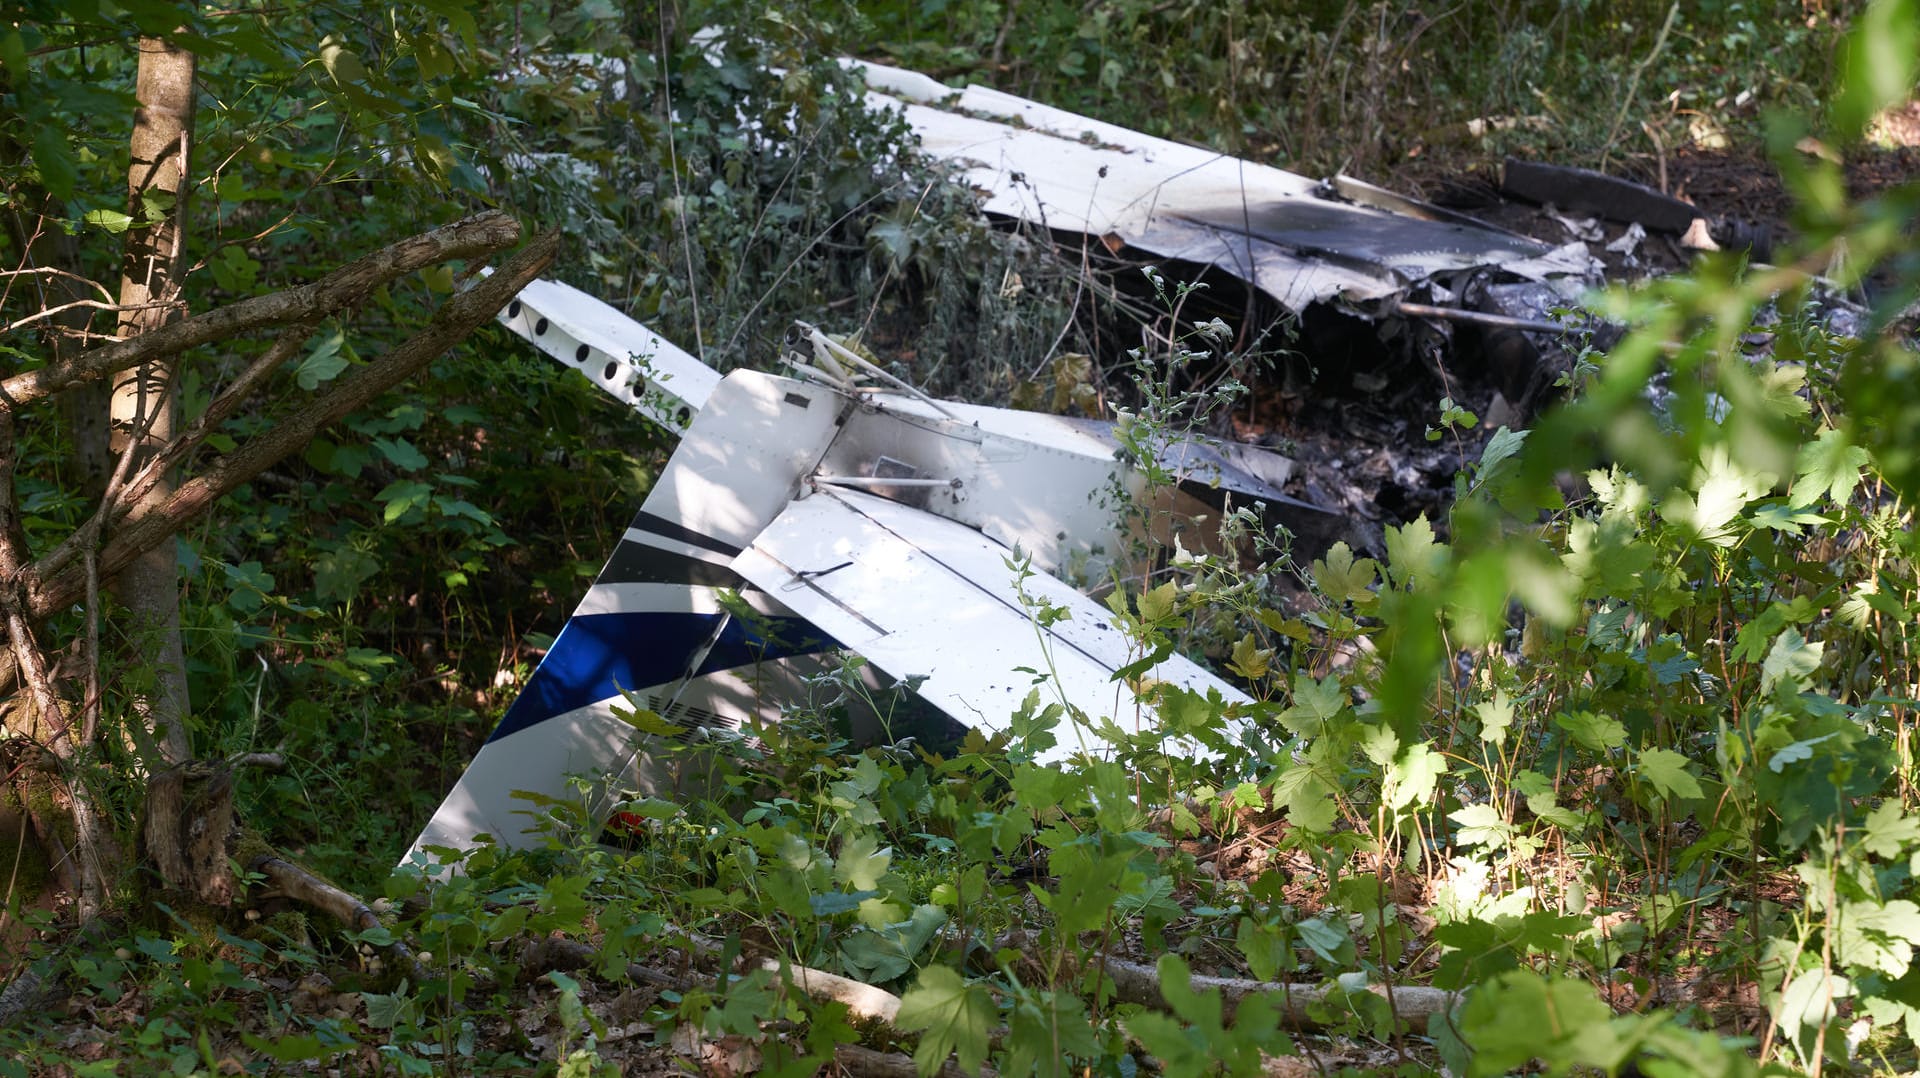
(1618, 756)
(1342, 85)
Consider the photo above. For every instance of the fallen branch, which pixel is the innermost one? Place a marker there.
(553, 952)
(863, 1001)
(1134, 982)
(27, 992)
(294, 882)
(862, 1062)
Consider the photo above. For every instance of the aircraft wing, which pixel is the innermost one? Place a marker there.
(939, 605)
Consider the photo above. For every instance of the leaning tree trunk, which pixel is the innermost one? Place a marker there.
(143, 412)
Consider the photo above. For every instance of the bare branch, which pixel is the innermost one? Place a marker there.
(479, 235)
(92, 304)
(49, 271)
(148, 527)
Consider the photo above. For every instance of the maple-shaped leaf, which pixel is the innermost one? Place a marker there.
(1667, 772)
(1339, 577)
(1830, 465)
(1412, 551)
(954, 1018)
(862, 862)
(1724, 490)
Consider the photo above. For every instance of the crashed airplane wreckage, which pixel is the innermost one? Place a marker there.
(802, 516)
(1298, 240)
(839, 509)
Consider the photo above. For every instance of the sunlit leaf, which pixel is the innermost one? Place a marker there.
(1340, 578)
(324, 363)
(1412, 551)
(1829, 465)
(111, 220)
(1669, 773)
(1791, 661)
(955, 1018)
(862, 862)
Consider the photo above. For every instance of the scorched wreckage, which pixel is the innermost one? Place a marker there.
(835, 509)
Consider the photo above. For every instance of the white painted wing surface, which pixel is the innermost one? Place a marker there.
(921, 596)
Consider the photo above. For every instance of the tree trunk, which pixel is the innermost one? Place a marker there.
(143, 413)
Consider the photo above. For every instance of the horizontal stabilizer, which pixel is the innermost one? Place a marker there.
(933, 602)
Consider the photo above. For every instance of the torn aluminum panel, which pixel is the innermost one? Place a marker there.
(1293, 238)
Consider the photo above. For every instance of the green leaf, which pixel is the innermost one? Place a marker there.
(1499, 462)
(1830, 465)
(1482, 825)
(1315, 703)
(54, 156)
(1249, 659)
(1342, 579)
(1890, 832)
(650, 808)
(338, 573)
(387, 1011)
(1795, 753)
(1496, 717)
(403, 495)
(1521, 1015)
(1308, 798)
(1412, 551)
(955, 1019)
(233, 269)
(1791, 661)
(401, 453)
(834, 903)
(1048, 1034)
(112, 220)
(1324, 936)
(862, 862)
(1157, 604)
(341, 62)
(882, 954)
(250, 584)
(1780, 517)
(1669, 773)
(323, 364)
(1880, 63)
(1084, 898)
(292, 1048)
(1592, 731)
(1877, 936)
(1411, 777)
(1809, 999)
